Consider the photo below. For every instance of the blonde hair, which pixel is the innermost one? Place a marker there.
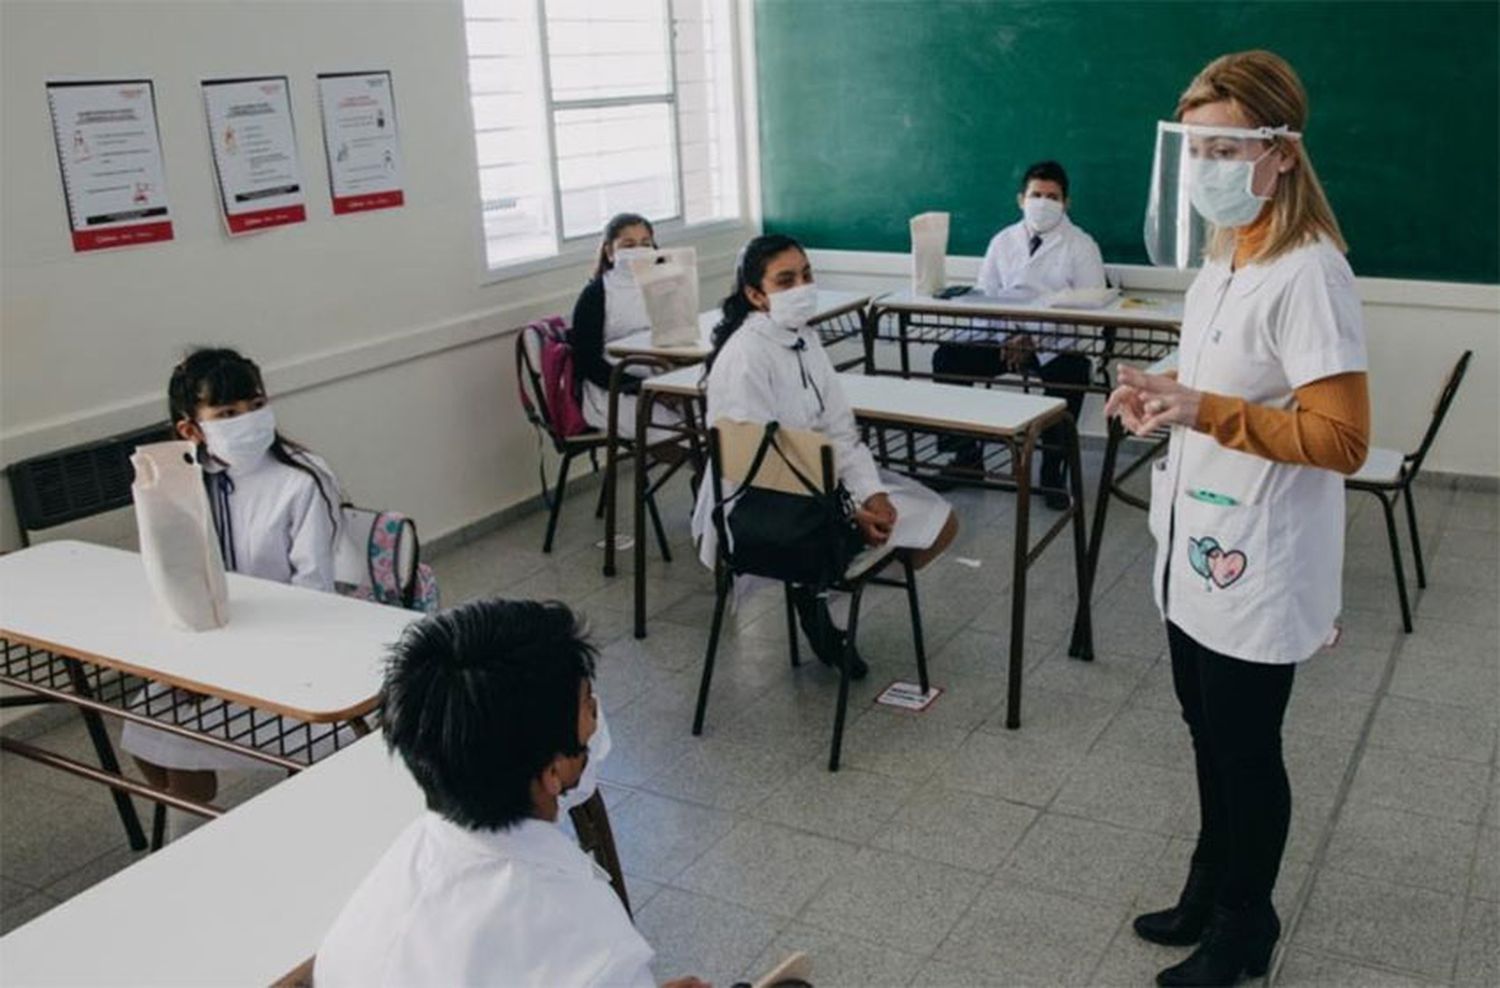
(1266, 89)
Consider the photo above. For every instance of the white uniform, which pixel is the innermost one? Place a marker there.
(282, 530)
(1066, 258)
(451, 906)
(624, 315)
(1258, 579)
(761, 375)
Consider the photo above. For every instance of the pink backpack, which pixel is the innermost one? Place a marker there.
(551, 371)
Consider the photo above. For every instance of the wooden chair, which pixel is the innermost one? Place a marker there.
(731, 447)
(1389, 474)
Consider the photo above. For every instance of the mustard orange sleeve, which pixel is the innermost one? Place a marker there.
(1328, 428)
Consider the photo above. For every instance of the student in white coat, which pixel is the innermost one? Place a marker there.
(1040, 254)
(491, 707)
(275, 512)
(768, 366)
(1269, 408)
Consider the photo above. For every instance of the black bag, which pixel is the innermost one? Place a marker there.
(789, 537)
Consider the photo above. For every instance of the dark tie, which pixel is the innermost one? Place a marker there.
(1036, 241)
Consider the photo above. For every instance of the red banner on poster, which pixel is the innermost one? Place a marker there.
(262, 218)
(121, 236)
(375, 200)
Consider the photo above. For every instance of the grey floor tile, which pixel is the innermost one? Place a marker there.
(841, 961)
(1068, 722)
(1009, 765)
(641, 891)
(1434, 729)
(1392, 779)
(23, 911)
(46, 834)
(1460, 605)
(12, 892)
(1147, 736)
(941, 974)
(1316, 765)
(894, 899)
(1084, 858)
(1129, 794)
(1035, 937)
(911, 746)
(1479, 947)
(848, 805)
(1399, 847)
(962, 829)
(767, 868)
(1456, 682)
(1129, 961)
(696, 935)
(791, 713)
(1486, 884)
(1332, 713)
(1393, 926)
(1108, 676)
(1164, 883)
(92, 873)
(1305, 969)
(649, 733)
(1345, 667)
(658, 837)
(730, 776)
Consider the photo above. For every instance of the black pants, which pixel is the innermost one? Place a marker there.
(1064, 368)
(1234, 710)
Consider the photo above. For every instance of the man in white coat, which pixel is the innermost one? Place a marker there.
(491, 706)
(1041, 254)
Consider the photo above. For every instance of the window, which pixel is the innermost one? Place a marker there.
(584, 109)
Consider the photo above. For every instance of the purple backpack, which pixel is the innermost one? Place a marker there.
(552, 377)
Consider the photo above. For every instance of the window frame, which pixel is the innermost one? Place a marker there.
(576, 250)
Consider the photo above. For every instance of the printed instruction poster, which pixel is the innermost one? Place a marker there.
(360, 137)
(255, 152)
(109, 151)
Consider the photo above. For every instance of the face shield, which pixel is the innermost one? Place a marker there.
(1201, 178)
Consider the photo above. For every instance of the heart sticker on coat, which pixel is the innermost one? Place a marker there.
(1221, 567)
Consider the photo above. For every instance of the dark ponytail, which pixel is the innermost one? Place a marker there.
(749, 272)
(221, 376)
(612, 229)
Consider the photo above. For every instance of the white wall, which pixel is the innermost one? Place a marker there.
(383, 349)
(1415, 331)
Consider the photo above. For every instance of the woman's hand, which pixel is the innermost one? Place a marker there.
(876, 518)
(1147, 402)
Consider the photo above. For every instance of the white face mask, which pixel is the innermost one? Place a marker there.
(793, 308)
(623, 257)
(1042, 214)
(588, 781)
(1221, 190)
(242, 440)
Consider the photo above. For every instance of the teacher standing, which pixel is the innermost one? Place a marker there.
(1269, 407)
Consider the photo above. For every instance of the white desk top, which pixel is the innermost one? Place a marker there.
(1162, 309)
(314, 656)
(639, 344)
(917, 402)
(240, 901)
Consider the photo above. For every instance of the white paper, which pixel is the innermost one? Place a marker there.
(255, 153)
(109, 150)
(908, 696)
(360, 140)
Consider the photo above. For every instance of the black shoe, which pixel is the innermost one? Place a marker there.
(827, 641)
(1237, 942)
(1056, 500)
(967, 465)
(1183, 924)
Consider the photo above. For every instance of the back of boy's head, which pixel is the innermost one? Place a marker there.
(212, 376)
(480, 699)
(1046, 171)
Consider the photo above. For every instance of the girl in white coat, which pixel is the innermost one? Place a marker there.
(275, 511)
(768, 366)
(1270, 406)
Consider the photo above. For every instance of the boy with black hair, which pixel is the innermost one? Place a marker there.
(1041, 254)
(491, 707)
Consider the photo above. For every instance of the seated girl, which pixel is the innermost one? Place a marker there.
(768, 366)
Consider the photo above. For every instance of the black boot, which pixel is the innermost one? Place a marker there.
(827, 640)
(1237, 942)
(1182, 924)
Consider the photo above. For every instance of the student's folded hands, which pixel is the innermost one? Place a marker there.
(876, 519)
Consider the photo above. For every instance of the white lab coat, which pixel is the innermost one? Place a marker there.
(283, 530)
(1066, 258)
(624, 315)
(451, 906)
(1259, 579)
(759, 376)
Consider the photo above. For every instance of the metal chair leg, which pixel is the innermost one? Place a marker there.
(105, 752)
(558, 492)
(916, 620)
(1390, 531)
(791, 627)
(159, 827)
(843, 705)
(603, 490)
(661, 535)
(723, 582)
(1416, 540)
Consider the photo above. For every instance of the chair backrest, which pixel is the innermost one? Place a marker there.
(545, 379)
(740, 441)
(77, 482)
(1439, 412)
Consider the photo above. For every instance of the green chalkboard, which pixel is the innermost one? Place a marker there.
(874, 110)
